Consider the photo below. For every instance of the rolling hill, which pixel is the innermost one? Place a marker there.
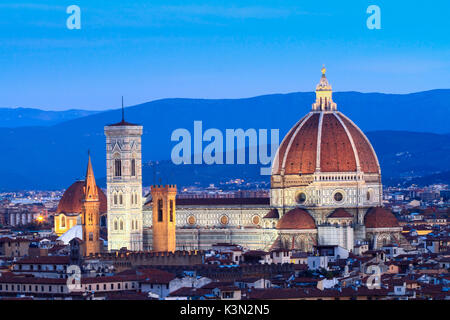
(26, 117)
(52, 156)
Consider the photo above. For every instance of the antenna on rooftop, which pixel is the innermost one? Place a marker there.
(123, 113)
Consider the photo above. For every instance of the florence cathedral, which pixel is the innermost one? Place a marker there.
(325, 190)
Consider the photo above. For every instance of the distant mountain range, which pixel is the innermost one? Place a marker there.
(410, 134)
(27, 117)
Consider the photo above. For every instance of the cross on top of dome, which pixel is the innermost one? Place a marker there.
(324, 95)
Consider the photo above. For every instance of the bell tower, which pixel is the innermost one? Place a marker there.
(90, 214)
(124, 185)
(164, 221)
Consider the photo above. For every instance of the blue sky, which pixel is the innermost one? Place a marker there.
(147, 50)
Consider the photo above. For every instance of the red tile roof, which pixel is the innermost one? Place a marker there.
(298, 150)
(272, 214)
(340, 213)
(72, 199)
(296, 219)
(378, 217)
(45, 260)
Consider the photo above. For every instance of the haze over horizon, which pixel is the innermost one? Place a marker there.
(211, 49)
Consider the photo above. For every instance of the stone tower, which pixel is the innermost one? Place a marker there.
(164, 212)
(124, 185)
(90, 214)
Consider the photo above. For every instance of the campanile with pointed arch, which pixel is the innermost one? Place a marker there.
(90, 214)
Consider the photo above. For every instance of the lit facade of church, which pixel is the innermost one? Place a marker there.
(325, 190)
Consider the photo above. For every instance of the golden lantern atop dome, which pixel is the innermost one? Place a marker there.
(324, 94)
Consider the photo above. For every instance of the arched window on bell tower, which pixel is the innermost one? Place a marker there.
(133, 167)
(117, 168)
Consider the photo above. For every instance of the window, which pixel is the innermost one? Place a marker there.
(338, 196)
(121, 224)
(133, 168)
(63, 221)
(171, 210)
(120, 198)
(117, 168)
(160, 210)
(91, 237)
(115, 225)
(301, 197)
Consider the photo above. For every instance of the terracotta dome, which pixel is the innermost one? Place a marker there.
(72, 199)
(341, 145)
(380, 218)
(325, 140)
(296, 219)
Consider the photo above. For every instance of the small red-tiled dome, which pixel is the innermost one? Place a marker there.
(380, 218)
(296, 219)
(272, 214)
(72, 199)
(340, 213)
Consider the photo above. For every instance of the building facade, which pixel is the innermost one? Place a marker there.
(90, 216)
(124, 186)
(325, 190)
(70, 207)
(164, 218)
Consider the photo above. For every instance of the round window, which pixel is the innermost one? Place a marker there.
(338, 197)
(301, 197)
(191, 220)
(224, 220)
(255, 220)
